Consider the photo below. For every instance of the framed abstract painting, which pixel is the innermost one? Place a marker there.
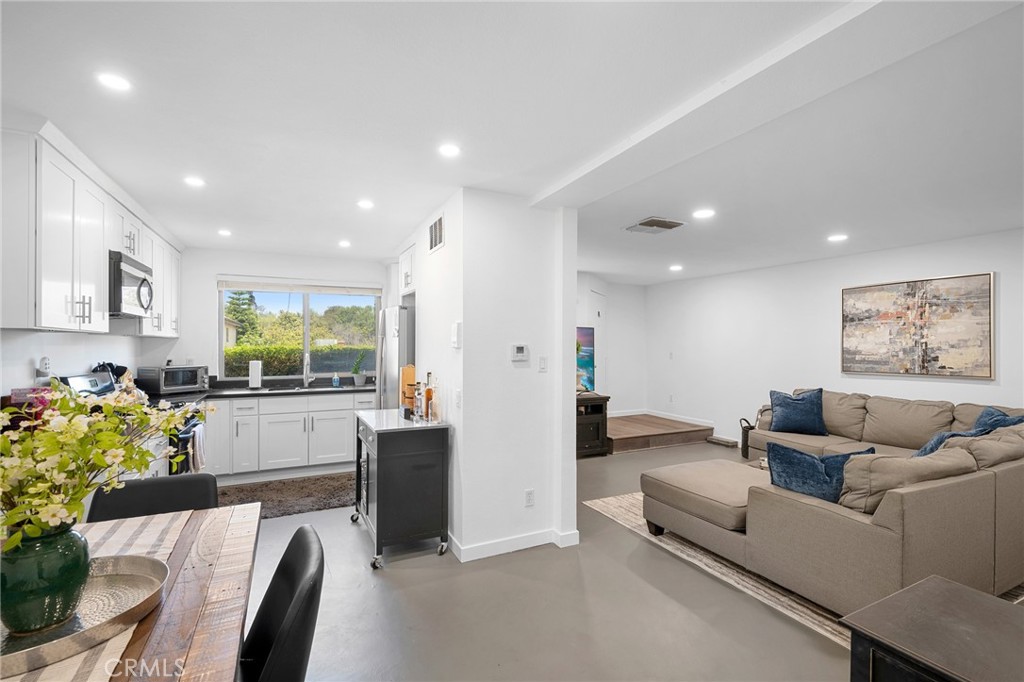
(584, 358)
(928, 327)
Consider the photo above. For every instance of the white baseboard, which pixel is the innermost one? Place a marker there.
(626, 413)
(681, 417)
(280, 474)
(515, 543)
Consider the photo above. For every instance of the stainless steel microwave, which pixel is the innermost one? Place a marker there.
(173, 379)
(131, 286)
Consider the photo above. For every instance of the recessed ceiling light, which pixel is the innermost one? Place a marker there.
(195, 181)
(113, 81)
(704, 213)
(838, 238)
(365, 204)
(675, 268)
(224, 233)
(449, 150)
(344, 243)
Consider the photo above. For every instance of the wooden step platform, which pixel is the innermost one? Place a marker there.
(644, 431)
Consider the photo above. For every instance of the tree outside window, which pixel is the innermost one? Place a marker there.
(277, 327)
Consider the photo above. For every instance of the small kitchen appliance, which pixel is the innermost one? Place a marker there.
(173, 379)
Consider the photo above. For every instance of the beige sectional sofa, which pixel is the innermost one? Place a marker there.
(968, 527)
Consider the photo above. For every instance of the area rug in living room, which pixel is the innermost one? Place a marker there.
(289, 496)
(627, 510)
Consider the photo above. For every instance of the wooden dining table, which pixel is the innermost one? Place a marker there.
(194, 634)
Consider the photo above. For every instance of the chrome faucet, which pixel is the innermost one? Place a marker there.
(307, 376)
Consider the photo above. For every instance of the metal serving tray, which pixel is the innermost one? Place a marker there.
(120, 591)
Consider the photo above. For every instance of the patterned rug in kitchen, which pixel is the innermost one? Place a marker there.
(289, 496)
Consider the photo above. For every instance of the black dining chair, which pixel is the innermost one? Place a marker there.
(144, 496)
(277, 646)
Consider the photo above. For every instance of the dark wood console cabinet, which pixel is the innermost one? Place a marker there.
(591, 424)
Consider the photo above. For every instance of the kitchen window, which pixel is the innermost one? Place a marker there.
(278, 324)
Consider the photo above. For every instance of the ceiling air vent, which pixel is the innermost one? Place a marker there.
(654, 225)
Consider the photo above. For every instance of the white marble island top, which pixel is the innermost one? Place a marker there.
(392, 420)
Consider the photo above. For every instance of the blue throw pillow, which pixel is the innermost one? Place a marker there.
(798, 414)
(988, 421)
(820, 477)
(991, 419)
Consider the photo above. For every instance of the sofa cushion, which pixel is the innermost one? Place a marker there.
(714, 490)
(814, 445)
(965, 415)
(817, 476)
(1002, 445)
(867, 478)
(854, 446)
(989, 420)
(844, 412)
(798, 414)
(905, 423)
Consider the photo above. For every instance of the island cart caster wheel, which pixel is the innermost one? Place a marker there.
(376, 563)
(442, 548)
(354, 517)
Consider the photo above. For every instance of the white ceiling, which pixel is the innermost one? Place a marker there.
(790, 118)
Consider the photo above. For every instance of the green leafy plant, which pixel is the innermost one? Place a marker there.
(357, 364)
(62, 446)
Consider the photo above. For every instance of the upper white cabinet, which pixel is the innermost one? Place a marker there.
(166, 263)
(124, 230)
(406, 272)
(61, 215)
(71, 257)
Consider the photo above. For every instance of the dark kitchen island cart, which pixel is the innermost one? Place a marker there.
(401, 480)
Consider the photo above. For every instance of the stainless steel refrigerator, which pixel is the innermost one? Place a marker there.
(396, 348)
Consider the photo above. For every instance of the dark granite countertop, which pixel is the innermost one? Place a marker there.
(266, 392)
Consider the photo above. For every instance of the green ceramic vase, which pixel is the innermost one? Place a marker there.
(41, 582)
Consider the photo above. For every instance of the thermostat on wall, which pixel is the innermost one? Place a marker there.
(520, 352)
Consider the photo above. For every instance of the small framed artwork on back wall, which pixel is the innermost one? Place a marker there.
(926, 327)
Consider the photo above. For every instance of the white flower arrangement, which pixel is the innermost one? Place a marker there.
(62, 446)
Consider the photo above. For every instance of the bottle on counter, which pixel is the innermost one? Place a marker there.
(336, 380)
(428, 398)
(417, 409)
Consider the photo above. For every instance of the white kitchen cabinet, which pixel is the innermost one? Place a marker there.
(283, 441)
(70, 247)
(245, 446)
(406, 272)
(124, 230)
(331, 437)
(217, 439)
(165, 260)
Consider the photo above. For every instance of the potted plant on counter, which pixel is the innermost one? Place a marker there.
(54, 451)
(358, 378)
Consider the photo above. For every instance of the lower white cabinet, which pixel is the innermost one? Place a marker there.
(331, 437)
(283, 441)
(277, 432)
(217, 440)
(245, 445)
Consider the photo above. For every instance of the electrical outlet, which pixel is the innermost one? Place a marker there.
(670, 397)
(529, 498)
(458, 397)
(670, 356)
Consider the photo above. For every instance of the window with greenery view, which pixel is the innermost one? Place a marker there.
(278, 327)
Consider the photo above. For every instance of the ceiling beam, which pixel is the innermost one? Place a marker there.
(858, 39)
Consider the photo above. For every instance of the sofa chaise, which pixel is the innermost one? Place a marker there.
(965, 524)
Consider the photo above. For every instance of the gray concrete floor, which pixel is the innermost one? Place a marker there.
(616, 607)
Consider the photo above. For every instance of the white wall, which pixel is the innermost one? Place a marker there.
(735, 337)
(69, 353)
(507, 272)
(438, 281)
(511, 293)
(620, 339)
(200, 270)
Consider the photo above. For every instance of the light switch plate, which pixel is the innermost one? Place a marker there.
(457, 334)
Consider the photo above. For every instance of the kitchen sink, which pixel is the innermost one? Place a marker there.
(276, 389)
